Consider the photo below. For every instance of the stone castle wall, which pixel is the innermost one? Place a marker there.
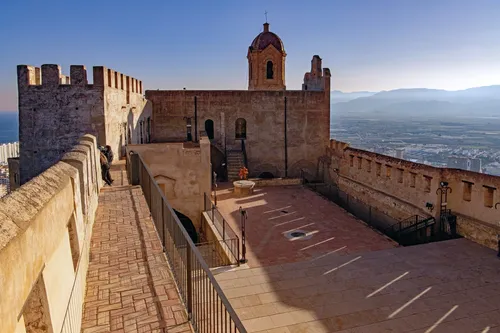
(56, 110)
(182, 171)
(44, 244)
(401, 188)
(308, 119)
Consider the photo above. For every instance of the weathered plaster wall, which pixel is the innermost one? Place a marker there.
(400, 189)
(183, 171)
(308, 119)
(54, 112)
(44, 226)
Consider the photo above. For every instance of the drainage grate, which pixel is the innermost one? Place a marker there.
(296, 234)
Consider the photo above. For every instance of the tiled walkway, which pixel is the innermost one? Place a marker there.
(274, 212)
(129, 286)
(347, 278)
(444, 287)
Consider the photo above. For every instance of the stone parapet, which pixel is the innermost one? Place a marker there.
(401, 188)
(45, 228)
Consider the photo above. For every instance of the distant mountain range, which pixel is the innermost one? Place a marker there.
(481, 102)
(339, 96)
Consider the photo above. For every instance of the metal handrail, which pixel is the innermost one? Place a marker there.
(211, 209)
(192, 289)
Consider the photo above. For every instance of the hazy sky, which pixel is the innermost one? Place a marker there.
(368, 44)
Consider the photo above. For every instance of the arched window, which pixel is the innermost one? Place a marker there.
(209, 128)
(241, 128)
(269, 71)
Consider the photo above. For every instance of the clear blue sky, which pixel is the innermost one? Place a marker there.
(368, 44)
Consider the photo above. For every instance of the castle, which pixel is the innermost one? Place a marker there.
(55, 110)
(173, 141)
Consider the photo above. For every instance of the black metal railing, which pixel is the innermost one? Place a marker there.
(215, 253)
(208, 308)
(228, 235)
(371, 215)
(413, 230)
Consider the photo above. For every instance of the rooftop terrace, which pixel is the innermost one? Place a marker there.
(348, 277)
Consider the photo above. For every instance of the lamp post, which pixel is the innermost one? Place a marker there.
(243, 217)
(443, 211)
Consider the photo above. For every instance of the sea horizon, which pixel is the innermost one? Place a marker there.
(9, 126)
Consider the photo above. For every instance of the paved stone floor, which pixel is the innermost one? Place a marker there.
(275, 211)
(370, 286)
(129, 287)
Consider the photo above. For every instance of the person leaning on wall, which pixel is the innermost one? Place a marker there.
(105, 168)
(109, 156)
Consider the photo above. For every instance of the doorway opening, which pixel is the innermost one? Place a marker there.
(209, 128)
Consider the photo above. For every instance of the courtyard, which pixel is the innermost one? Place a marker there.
(341, 276)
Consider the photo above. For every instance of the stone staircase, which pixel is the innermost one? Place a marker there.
(234, 164)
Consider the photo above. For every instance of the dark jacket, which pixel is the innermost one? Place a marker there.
(109, 155)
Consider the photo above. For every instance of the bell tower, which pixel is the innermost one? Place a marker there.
(266, 62)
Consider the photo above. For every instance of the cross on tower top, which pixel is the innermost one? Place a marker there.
(265, 13)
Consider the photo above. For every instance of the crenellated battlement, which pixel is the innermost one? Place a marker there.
(50, 75)
(108, 77)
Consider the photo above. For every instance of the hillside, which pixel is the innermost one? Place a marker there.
(481, 102)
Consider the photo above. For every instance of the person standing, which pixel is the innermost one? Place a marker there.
(105, 169)
(109, 156)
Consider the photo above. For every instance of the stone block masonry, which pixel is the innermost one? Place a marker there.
(262, 114)
(55, 110)
(45, 229)
(401, 189)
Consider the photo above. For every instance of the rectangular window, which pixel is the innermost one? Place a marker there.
(427, 183)
(413, 178)
(388, 170)
(360, 162)
(489, 193)
(467, 190)
(379, 168)
(368, 165)
(400, 175)
(351, 160)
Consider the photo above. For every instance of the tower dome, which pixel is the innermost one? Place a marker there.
(266, 38)
(266, 62)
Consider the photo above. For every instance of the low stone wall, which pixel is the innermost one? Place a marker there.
(213, 236)
(182, 171)
(401, 189)
(259, 182)
(45, 229)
